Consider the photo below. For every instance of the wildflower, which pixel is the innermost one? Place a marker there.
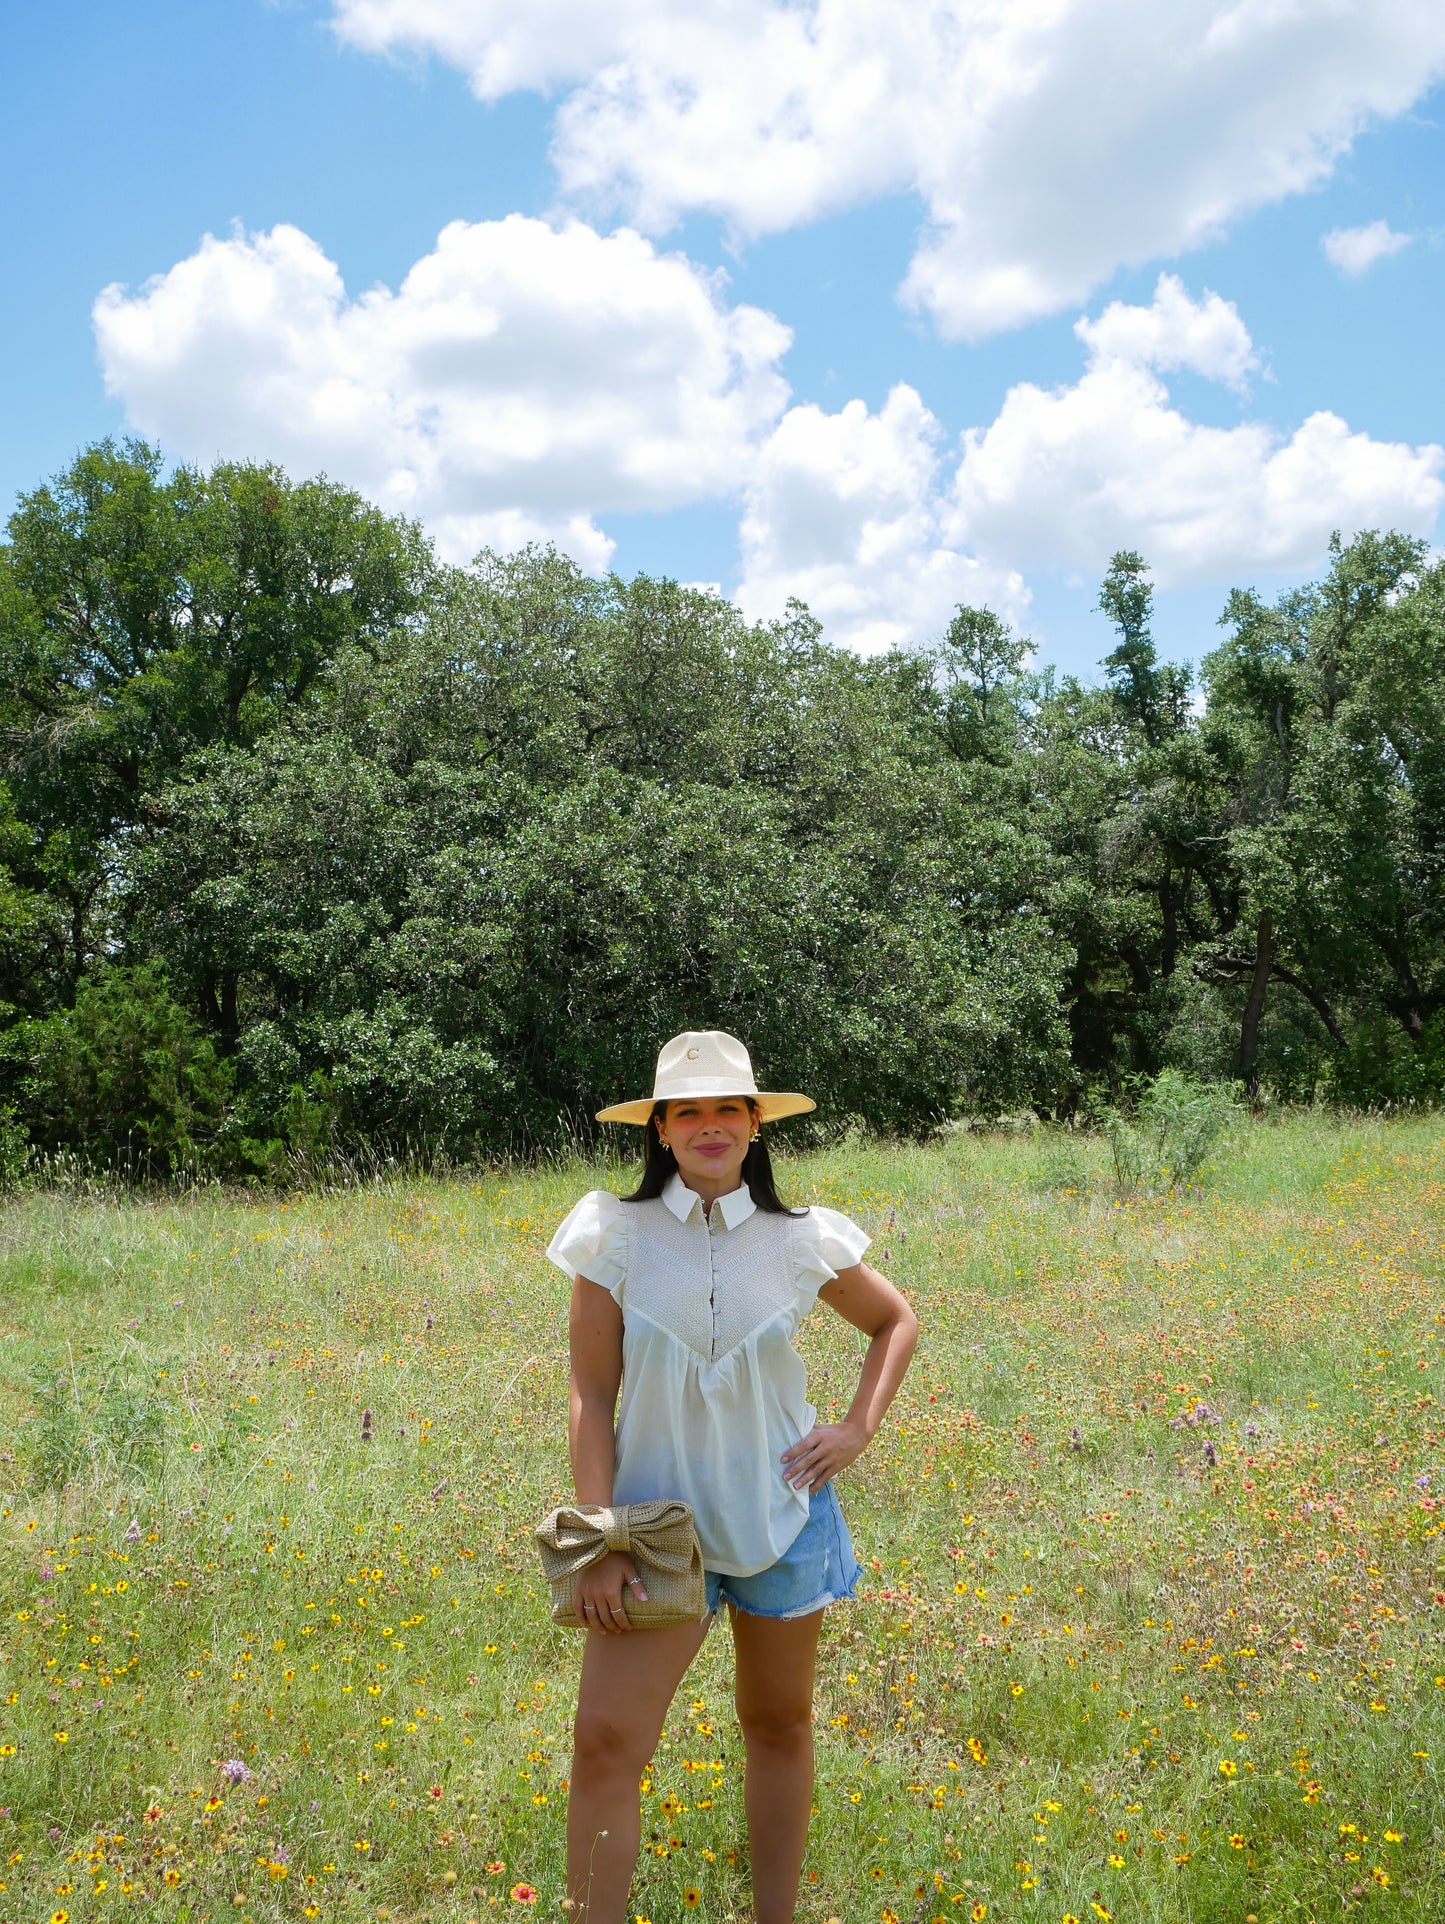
(496, 1868)
(61, 1916)
(1069, 1918)
(692, 1897)
(1116, 1862)
(1381, 1876)
(1227, 1767)
(61, 1736)
(979, 1912)
(235, 1772)
(214, 1803)
(152, 1814)
(1236, 1841)
(523, 1894)
(173, 1876)
(1099, 1911)
(1393, 1837)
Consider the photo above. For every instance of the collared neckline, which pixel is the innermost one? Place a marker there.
(735, 1207)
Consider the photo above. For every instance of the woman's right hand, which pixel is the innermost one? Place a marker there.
(601, 1589)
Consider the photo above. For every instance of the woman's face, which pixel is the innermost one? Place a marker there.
(709, 1136)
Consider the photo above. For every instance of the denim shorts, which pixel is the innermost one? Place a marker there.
(817, 1568)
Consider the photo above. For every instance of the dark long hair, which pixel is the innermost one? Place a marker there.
(659, 1164)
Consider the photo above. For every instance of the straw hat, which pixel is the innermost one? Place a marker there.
(705, 1062)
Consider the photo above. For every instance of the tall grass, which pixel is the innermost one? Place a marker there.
(1152, 1618)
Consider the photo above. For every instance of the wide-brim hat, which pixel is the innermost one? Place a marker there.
(706, 1062)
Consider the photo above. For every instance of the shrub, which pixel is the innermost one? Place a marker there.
(14, 1147)
(1176, 1122)
(126, 1077)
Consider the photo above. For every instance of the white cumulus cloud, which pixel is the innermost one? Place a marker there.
(1353, 249)
(1173, 331)
(845, 512)
(1050, 141)
(1063, 477)
(526, 381)
(522, 379)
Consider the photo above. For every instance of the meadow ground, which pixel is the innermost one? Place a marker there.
(1153, 1618)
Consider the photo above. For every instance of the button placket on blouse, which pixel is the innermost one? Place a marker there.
(712, 1285)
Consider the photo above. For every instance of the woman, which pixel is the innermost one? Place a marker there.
(696, 1283)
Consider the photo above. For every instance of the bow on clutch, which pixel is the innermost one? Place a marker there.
(661, 1539)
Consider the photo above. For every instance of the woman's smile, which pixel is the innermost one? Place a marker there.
(709, 1136)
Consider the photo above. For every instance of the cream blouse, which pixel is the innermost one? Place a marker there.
(713, 1391)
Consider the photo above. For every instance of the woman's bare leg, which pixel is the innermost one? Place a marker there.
(628, 1680)
(774, 1694)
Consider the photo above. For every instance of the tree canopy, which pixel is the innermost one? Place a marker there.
(308, 841)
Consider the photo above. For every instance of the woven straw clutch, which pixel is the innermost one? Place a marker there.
(661, 1539)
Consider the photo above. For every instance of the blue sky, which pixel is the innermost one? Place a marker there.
(660, 426)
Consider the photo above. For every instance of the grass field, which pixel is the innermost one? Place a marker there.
(1153, 1620)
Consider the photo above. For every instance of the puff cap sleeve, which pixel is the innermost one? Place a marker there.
(827, 1242)
(592, 1242)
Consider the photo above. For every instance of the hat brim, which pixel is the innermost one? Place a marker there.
(772, 1105)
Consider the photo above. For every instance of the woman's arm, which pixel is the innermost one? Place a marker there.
(869, 1302)
(595, 1331)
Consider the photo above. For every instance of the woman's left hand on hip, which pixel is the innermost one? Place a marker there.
(817, 1458)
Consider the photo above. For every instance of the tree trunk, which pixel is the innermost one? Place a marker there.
(1254, 1005)
(210, 1004)
(1316, 1001)
(1407, 1003)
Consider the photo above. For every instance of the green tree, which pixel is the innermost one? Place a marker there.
(978, 670)
(143, 617)
(1327, 711)
(1152, 694)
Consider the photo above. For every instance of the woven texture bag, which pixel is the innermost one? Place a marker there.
(661, 1539)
